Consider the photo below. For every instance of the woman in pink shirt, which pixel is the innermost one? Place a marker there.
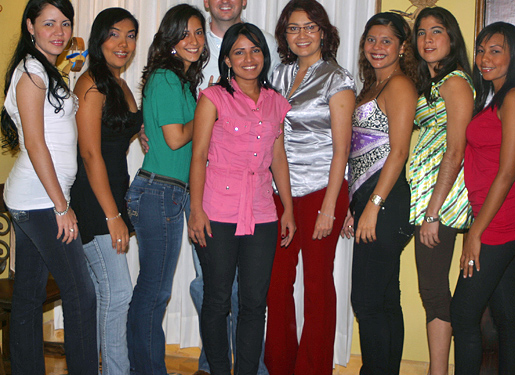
(237, 146)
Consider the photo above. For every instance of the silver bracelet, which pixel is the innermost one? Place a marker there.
(116, 217)
(377, 200)
(62, 213)
(330, 217)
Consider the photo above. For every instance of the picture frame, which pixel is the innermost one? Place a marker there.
(489, 11)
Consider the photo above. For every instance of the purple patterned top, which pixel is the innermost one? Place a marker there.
(370, 144)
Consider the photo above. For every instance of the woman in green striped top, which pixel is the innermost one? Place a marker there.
(439, 203)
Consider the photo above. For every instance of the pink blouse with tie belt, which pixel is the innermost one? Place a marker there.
(238, 186)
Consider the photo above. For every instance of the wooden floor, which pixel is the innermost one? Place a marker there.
(185, 362)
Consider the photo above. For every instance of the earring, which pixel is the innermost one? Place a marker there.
(173, 51)
(229, 75)
(33, 39)
(401, 55)
(321, 42)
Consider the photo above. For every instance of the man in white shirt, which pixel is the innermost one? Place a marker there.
(224, 14)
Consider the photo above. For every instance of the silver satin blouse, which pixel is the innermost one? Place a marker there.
(307, 126)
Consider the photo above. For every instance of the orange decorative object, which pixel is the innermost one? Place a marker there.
(75, 54)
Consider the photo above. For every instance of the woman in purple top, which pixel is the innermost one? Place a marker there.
(238, 132)
(380, 196)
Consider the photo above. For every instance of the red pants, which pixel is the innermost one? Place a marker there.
(284, 355)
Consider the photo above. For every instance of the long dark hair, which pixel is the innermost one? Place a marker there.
(456, 59)
(402, 32)
(25, 46)
(255, 35)
(171, 32)
(483, 88)
(115, 112)
(317, 14)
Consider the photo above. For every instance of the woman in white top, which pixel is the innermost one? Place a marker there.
(38, 119)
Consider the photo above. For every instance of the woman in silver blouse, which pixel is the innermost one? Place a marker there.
(317, 133)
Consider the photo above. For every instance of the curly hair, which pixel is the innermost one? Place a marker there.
(25, 47)
(402, 32)
(115, 112)
(317, 14)
(171, 32)
(483, 87)
(456, 59)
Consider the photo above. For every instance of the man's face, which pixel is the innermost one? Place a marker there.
(225, 10)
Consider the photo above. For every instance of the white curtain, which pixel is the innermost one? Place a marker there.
(181, 321)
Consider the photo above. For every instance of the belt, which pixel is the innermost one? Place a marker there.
(163, 179)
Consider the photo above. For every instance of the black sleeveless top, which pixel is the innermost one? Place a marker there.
(114, 147)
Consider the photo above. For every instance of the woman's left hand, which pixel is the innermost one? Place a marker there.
(366, 230)
(323, 226)
(470, 255)
(288, 228)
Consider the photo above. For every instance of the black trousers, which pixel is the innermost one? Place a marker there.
(253, 255)
(493, 285)
(375, 281)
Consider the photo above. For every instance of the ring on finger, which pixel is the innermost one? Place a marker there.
(471, 262)
(72, 230)
(119, 240)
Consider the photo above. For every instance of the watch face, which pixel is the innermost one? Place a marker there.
(430, 219)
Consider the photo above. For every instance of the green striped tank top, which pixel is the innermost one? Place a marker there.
(427, 156)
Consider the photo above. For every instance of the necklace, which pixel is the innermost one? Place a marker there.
(386, 79)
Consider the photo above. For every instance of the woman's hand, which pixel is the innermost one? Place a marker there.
(119, 234)
(323, 226)
(198, 226)
(348, 225)
(143, 139)
(429, 234)
(67, 226)
(366, 230)
(288, 228)
(470, 254)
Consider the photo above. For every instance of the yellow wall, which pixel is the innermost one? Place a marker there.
(415, 343)
(10, 19)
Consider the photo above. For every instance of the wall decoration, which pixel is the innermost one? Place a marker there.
(414, 9)
(490, 11)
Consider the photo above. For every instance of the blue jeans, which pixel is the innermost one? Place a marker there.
(38, 251)
(157, 212)
(493, 285)
(197, 294)
(113, 286)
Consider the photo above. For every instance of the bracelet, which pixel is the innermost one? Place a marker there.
(377, 200)
(330, 217)
(62, 213)
(116, 217)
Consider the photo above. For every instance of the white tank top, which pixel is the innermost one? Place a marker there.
(23, 189)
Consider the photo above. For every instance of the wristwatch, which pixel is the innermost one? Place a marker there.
(431, 219)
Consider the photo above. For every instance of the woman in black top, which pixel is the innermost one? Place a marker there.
(107, 119)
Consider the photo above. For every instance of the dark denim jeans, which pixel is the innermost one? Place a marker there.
(38, 251)
(494, 284)
(253, 255)
(157, 212)
(197, 295)
(376, 296)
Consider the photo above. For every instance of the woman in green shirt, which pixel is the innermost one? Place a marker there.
(158, 196)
